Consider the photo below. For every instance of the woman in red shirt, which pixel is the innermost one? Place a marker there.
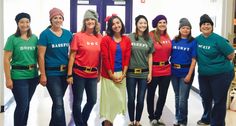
(161, 69)
(84, 62)
(115, 49)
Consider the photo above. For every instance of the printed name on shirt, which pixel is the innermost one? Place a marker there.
(140, 45)
(204, 47)
(27, 48)
(92, 43)
(165, 42)
(181, 48)
(60, 45)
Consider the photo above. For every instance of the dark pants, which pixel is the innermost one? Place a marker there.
(90, 86)
(23, 90)
(131, 90)
(56, 86)
(163, 82)
(214, 89)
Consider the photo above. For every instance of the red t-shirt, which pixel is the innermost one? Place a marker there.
(162, 54)
(88, 53)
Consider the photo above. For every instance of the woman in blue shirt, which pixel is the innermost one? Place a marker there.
(183, 61)
(53, 49)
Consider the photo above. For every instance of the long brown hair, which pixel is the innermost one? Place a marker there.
(157, 35)
(18, 33)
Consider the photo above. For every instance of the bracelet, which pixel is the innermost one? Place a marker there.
(69, 76)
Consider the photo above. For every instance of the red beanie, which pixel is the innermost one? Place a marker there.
(55, 11)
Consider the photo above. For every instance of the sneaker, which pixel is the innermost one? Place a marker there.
(154, 122)
(159, 123)
(200, 122)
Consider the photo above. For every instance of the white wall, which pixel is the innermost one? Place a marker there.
(176, 9)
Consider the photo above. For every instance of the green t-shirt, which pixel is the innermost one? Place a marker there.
(139, 55)
(24, 53)
(212, 55)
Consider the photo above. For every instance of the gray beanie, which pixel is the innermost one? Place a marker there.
(184, 22)
(91, 14)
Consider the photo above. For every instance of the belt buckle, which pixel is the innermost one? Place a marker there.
(177, 66)
(137, 70)
(62, 67)
(31, 66)
(88, 69)
(161, 63)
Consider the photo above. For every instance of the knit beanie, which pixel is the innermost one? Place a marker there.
(20, 16)
(157, 19)
(139, 17)
(91, 14)
(205, 19)
(55, 11)
(184, 22)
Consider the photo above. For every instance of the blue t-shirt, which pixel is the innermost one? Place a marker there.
(182, 53)
(118, 58)
(57, 49)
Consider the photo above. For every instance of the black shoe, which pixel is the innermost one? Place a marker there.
(200, 122)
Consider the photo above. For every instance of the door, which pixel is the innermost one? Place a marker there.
(104, 8)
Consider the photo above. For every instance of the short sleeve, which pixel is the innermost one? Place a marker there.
(9, 44)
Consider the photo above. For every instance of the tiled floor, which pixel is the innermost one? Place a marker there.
(41, 107)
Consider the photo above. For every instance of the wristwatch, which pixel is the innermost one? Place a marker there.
(69, 76)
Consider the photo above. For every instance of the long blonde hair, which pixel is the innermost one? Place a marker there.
(96, 29)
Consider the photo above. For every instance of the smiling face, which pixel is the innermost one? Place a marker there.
(206, 29)
(162, 25)
(24, 24)
(90, 23)
(185, 31)
(116, 25)
(142, 25)
(57, 21)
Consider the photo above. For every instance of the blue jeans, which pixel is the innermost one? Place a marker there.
(181, 90)
(56, 86)
(214, 88)
(23, 90)
(131, 90)
(163, 82)
(90, 86)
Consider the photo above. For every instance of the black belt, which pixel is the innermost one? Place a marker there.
(29, 67)
(137, 70)
(160, 63)
(178, 66)
(59, 68)
(85, 69)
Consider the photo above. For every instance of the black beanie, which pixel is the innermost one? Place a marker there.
(20, 16)
(139, 17)
(205, 19)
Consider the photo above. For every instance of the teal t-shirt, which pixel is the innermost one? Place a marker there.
(24, 52)
(212, 55)
(139, 55)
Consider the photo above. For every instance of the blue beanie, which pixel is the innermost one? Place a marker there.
(157, 19)
(20, 16)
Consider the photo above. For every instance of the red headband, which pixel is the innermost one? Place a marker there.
(109, 17)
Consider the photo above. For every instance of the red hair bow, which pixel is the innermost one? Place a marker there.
(109, 17)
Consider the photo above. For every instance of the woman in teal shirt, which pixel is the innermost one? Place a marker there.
(20, 67)
(216, 71)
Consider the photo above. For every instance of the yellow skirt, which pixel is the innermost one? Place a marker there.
(113, 98)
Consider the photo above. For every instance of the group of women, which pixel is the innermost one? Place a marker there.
(142, 59)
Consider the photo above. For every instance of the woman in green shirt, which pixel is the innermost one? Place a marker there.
(215, 69)
(20, 67)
